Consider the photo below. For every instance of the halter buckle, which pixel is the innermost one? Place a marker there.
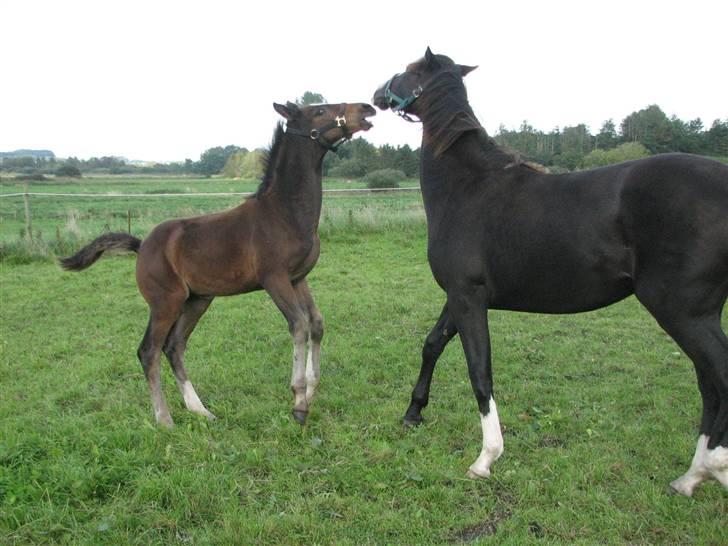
(314, 134)
(340, 121)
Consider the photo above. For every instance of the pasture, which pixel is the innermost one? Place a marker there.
(599, 410)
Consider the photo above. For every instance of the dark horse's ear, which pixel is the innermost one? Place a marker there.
(465, 70)
(430, 59)
(289, 111)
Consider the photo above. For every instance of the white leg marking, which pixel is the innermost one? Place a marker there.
(298, 374)
(192, 401)
(697, 473)
(313, 372)
(716, 460)
(161, 412)
(492, 443)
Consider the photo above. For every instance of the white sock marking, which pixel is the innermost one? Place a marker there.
(298, 375)
(312, 371)
(697, 473)
(716, 460)
(492, 443)
(192, 401)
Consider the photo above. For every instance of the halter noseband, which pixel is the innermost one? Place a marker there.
(316, 134)
(397, 103)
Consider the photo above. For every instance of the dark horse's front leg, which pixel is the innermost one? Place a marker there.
(440, 335)
(467, 305)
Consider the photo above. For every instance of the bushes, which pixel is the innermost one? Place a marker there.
(384, 178)
(623, 152)
(69, 171)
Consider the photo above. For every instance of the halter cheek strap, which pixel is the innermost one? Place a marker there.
(317, 133)
(397, 103)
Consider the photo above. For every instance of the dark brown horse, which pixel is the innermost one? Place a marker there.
(270, 241)
(502, 235)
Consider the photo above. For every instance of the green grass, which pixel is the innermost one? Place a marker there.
(599, 412)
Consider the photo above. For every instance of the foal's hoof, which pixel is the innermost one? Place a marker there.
(300, 416)
(165, 421)
(475, 476)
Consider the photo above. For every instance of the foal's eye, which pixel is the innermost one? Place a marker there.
(320, 112)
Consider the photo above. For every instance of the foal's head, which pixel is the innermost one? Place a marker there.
(402, 91)
(328, 124)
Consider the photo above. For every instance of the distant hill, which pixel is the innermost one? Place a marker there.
(46, 154)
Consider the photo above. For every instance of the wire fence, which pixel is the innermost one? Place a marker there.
(198, 194)
(38, 213)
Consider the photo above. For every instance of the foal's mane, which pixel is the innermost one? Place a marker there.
(269, 158)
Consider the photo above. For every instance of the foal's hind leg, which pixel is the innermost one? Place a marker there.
(175, 346)
(440, 335)
(161, 319)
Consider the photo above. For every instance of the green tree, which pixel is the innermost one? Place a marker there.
(607, 137)
(651, 127)
(716, 138)
(213, 160)
(309, 97)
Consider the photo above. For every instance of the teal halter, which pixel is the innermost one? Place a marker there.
(397, 103)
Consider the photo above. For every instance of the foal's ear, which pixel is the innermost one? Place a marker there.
(289, 111)
(465, 70)
(430, 59)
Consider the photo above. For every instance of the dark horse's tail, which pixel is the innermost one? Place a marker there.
(91, 252)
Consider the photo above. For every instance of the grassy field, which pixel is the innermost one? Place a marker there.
(599, 412)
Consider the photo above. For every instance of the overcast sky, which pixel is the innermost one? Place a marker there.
(165, 80)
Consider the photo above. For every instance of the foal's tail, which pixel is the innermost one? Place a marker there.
(91, 252)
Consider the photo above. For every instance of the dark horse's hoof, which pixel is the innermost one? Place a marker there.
(300, 416)
(410, 422)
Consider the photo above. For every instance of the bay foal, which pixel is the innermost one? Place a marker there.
(268, 242)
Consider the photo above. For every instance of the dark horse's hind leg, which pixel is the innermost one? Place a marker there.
(701, 337)
(174, 349)
(440, 335)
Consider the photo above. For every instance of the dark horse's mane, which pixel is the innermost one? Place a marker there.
(269, 159)
(452, 116)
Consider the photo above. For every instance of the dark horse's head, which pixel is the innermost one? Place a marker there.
(404, 93)
(327, 124)
(432, 89)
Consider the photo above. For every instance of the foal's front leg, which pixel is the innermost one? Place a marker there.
(284, 295)
(316, 322)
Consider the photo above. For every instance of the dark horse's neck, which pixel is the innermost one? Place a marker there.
(455, 146)
(292, 182)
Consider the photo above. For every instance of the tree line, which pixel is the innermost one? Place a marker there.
(642, 133)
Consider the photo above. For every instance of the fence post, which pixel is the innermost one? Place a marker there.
(28, 226)
(128, 221)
